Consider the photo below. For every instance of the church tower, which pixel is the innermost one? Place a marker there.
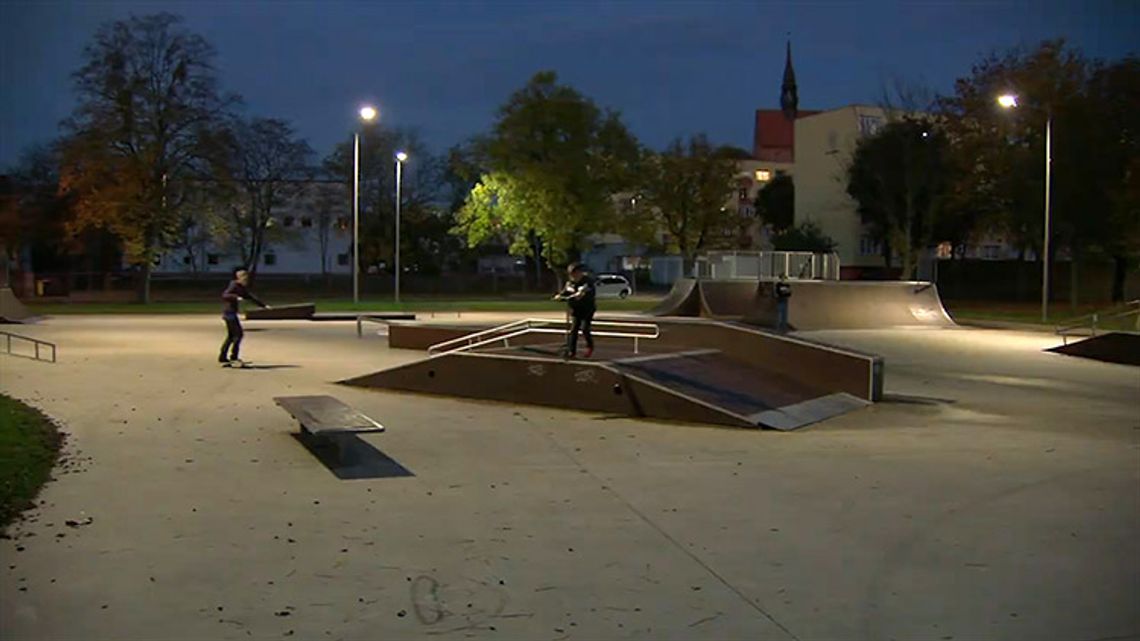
(789, 96)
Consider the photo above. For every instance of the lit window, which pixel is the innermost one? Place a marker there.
(742, 194)
(945, 249)
(763, 175)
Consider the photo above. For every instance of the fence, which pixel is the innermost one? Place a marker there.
(753, 265)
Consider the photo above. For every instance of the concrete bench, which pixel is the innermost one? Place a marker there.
(324, 415)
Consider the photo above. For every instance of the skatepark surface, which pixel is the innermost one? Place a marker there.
(992, 495)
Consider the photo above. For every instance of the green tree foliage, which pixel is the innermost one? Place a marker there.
(806, 237)
(421, 217)
(684, 191)
(897, 177)
(776, 202)
(998, 155)
(147, 94)
(554, 162)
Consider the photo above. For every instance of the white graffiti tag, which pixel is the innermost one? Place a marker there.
(585, 376)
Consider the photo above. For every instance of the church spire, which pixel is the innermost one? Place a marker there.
(789, 97)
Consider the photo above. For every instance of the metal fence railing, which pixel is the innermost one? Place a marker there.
(36, 346)
(753, 265)
(1090, 324)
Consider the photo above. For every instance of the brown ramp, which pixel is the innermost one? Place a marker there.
(12, 310)
(682, 300)
(577, 385)
(853, 305)
(727, 298)
(1114, 347)
(300, 311)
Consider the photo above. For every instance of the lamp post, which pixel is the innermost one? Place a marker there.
(367, 114)
(400, 158)
(1009, 101)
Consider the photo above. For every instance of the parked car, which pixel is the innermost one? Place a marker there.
(612, 286)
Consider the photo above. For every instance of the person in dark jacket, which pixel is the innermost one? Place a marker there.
(783, 293)
(234, 293)
(580, 294)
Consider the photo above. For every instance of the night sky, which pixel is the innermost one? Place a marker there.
(672, 68)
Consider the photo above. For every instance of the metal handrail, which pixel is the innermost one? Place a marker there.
(35, 341)
(540, 326)
(365, 317)
(1091, 321)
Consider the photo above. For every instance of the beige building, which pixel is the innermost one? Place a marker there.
(824, 145)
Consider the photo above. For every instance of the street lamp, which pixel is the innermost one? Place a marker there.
(1009, 101)
(400, 158)
(367, 114)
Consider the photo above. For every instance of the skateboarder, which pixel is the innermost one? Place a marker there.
(783, 293)
(579, 294)
(234, 292)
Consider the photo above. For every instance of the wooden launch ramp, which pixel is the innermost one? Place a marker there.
(689, 370)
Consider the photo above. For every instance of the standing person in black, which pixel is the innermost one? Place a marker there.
(783, 293)
(579, 294)
(234, 292)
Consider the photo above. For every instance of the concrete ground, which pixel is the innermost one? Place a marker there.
(995, 494)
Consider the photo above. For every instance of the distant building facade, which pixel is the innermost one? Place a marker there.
(294, 242)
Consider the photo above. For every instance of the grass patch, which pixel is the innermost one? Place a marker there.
(1030, 313)
(435, 304)
(29, 446)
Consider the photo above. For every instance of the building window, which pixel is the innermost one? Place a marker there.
(342, 259)
(945, 249)
(763, 175)
(342, 223)
(742, 193)
(869, 246)
(306, 221)
(271, 259)
(186, 260)
(991, 252)
(869, 125)
(211, 259)
(288, 221)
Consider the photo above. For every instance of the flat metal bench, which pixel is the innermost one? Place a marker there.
(325, 415)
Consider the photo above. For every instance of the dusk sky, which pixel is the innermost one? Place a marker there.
(671, 68)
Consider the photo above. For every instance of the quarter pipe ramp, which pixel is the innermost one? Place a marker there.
(12, 310)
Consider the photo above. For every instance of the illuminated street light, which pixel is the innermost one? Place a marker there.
(1009, 101)
(400, 158)
(367, 114)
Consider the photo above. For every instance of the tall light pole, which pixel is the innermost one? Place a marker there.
(367, 114)
(1009, 101)
(400, 158)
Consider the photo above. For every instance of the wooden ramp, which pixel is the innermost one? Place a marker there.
(691, 385)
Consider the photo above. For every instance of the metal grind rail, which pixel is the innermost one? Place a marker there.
(372, 319)
(1092, 322)
(35, 342)
(504, 333)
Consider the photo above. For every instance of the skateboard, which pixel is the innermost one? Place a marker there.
(238, 364)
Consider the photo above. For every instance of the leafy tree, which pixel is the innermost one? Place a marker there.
(684, 190)
(776, 202)
(263, 166)
(147, 92)
(806, 237)
(419, 188)
(554, 162)
(897, 178)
